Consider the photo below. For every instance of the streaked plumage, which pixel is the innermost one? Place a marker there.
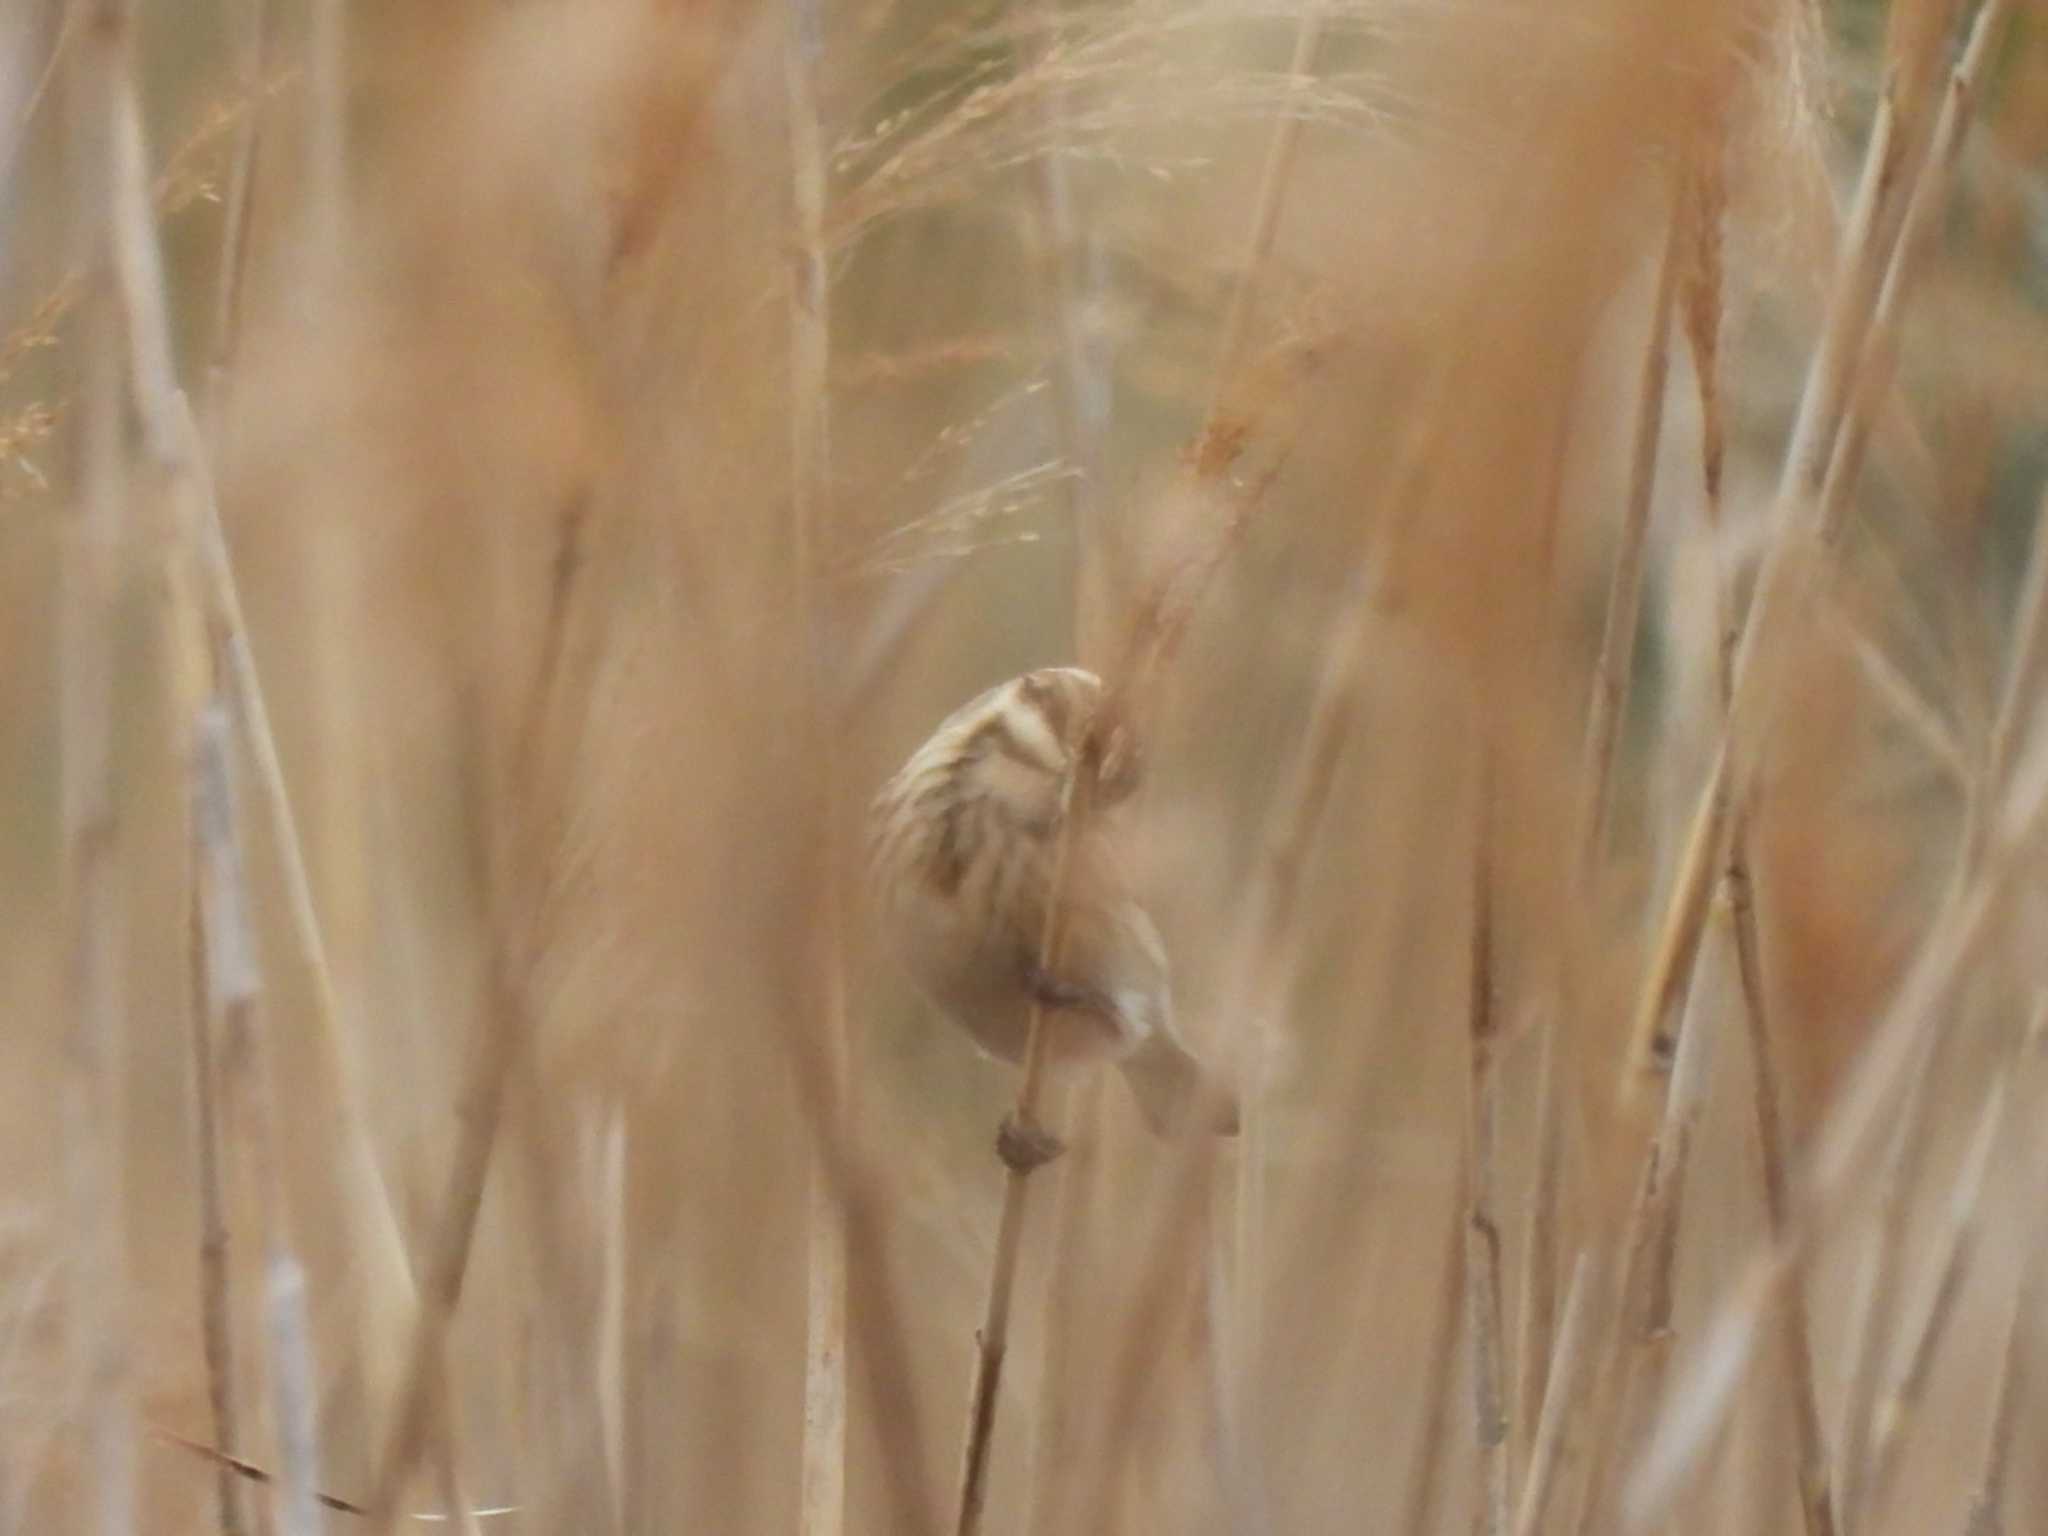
(964, 840)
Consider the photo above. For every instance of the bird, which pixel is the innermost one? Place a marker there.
(964, 844)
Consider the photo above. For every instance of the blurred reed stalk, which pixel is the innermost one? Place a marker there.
(1632, 1370)
(1774, 1154)
(1482, 1210)
(1421, 1504)
(326, 143)
(823, 1480)
(1954, 1249)
(217, 1308)
(1548, 1446)
(1662, 1178)
(613, 1368)
(1986, 1513)
(235, 986)
(1703, 315)
(96, 1319)
(1061, 1429)
(216, 1291)
(1536, 1310)
(517, 892)
(1767, 1100)
(1616, 659)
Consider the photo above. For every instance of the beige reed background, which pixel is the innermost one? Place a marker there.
(491, 489)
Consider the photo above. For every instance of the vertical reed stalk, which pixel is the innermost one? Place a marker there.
(1482, 1212)
(1986, 1515)
(823, 1484)
(96, 1025)
(1548, 1446)
(216, 1294)
(327, 129)
(1425, 1480)
(1816, 1495)
(516, 917)
(1616, 659)
(1795, 1344)
(216, 1269)
(1641, 1349)
(993, 1339)
(235, 987)
(1061, 1429)
(1954, 1249)
(1534, 1332)
(613, 1371)
(1873, 1313)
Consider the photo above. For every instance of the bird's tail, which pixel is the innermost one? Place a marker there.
(1173, 1091)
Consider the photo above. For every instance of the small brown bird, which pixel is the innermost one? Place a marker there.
(964, 841)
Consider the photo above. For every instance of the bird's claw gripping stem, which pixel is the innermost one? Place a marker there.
(1050, 991)
(1026, 1146)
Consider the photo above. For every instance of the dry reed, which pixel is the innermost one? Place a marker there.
(617, 435)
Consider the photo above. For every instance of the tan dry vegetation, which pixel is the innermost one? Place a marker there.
(595, 573)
